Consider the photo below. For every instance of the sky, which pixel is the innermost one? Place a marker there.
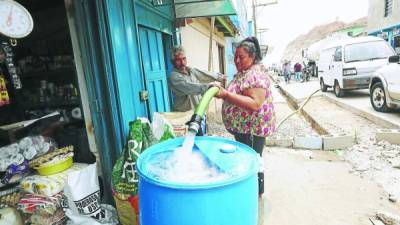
(291, 18)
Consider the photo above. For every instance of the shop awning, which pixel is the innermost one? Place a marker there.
(199, 8)
(226, 26)
(203, 8)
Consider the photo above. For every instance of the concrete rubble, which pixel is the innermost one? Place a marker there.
(390, 135)
(379, 161)
(388, 218)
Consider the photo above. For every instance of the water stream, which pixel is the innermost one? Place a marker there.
(184, 165)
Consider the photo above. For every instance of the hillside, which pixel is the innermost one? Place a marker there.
(293, 49)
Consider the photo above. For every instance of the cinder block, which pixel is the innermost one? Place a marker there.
(280, 142)
(390, 135)
(337, 141)
(308, 142)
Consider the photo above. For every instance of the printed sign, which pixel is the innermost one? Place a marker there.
(90, 205)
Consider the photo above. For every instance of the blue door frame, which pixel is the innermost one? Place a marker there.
(112, 67)
(100, 84)
(154, 69)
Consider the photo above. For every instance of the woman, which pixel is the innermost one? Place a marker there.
(248, 112)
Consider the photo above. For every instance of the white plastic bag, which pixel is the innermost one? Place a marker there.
(83, 195)
(9, 216)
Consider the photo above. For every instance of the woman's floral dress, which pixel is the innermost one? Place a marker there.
(239, 120)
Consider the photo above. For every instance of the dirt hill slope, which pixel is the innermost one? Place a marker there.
(293, 49)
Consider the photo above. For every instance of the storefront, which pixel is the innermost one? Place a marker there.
(390, 34)
(96, 64)
(45, 64)
(100, 64)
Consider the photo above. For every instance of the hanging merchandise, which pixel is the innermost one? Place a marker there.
(12, 70)
(4, 98)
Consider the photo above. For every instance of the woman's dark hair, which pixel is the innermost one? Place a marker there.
(252, 46)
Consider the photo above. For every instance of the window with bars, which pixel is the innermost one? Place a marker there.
(388, 7)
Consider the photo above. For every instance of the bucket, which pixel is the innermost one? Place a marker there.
(232, 200)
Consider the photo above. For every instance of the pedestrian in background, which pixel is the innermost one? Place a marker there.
(297, 71)
(286, 71)
(248, 111)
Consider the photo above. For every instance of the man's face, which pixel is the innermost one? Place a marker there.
(180, 61)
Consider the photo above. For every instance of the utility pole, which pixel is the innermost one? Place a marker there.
(254, 17)
(254, 6)
(210, 44)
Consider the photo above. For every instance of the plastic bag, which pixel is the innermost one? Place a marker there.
(57, 218)
(177, 120)
(15, 173)
(27, 148)
(82, 192)
(49, 185)
(9, 197)
(141, 136)
(127, 208)
(40, 205)
(9, 216)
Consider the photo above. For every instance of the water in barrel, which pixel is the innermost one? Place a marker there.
(184, 165)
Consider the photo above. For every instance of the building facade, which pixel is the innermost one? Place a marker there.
(123, 51)
(195, 38)
(384, 21)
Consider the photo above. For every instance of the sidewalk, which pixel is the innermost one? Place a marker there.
(355, 101)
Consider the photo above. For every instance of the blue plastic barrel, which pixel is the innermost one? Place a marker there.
(232, 201)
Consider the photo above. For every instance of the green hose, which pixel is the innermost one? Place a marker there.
(195, 121)
(205, 101)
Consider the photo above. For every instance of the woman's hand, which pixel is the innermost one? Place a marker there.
(222, 92)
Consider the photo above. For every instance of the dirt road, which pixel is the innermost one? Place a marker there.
(319, 187)
(316, 188)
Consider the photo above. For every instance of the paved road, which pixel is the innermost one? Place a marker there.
(359, 100)
(356, 101)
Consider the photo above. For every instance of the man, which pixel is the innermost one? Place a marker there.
(188, 84)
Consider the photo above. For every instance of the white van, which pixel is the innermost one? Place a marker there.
(349, 64)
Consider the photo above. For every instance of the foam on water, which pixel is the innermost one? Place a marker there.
(184, 165)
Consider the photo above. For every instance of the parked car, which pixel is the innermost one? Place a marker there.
(348, 64)
(384, 87)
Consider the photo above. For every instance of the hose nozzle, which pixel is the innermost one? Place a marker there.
(194, 123)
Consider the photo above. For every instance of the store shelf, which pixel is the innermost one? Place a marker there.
(47, 74)
(52, 104)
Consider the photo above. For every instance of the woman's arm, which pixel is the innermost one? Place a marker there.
(252, 98)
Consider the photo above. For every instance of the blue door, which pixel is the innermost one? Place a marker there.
(154, 69)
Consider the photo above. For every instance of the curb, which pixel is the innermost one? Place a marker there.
(314, 124)
(325, 141)
(364, 114)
